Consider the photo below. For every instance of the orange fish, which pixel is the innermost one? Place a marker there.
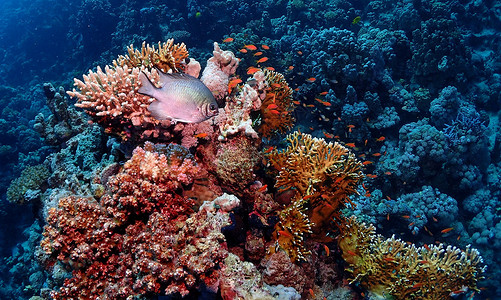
(243, 50)
(351, 126)
(387, 173)
(377, 154)
(268, 150)
(380, 139)
(307, 197)
(310, 105)
(270, 68)
(228, 40)
(371, 176)
(291, 68)
(250, 47)
(233, 83)
(406, 217)
(352, 145)
(276, 85)
(272, 106)
(351, 253)
(252, 70)
(311, 79)
(285, 233)
(296, 102)
(265, 47)
(312, 294)
(262, 60)
(258, 53)
(426, 247)
(326, 103)
(434, 219)
(426, 229)
(323, 93)
(327, 251)
(446, 230)
(300, 52)
(388, 217)
(417, 285)
(201, 135)
(274, 111)
(410, 224)
(263, 188)
(365, 143)
(328, 135)
(389, 259)
(367, 162)
(423, 262)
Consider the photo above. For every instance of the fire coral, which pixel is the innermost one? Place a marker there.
(323, 175)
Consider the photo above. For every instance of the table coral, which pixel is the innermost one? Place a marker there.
(393, 268)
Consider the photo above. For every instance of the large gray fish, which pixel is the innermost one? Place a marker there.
(182, 98)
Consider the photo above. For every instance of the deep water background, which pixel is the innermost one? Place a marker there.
(426, 75)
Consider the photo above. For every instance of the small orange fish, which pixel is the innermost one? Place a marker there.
(262, 60)
(311, 79)
(307, 197)
(263, 188)
(312, 294)
(228, 40)
(351, 126)
(274, 111)
(201, 135)
(326, 103)
(377, 154)
(272, 106)
(285, 233)
(367, 162)
(426, 229)
(265, 47)
(387, 217)
(434, 219)
(380, 139)
(291, 68)
(406, 216)
(417, 285)
(323, 93)
(310, 105)
(371, 176)
(296, 102)
(319, 100)
(328, 135)
(270, 68)
(418, 216)
(233, 83)
(268, 150)
(410, 224)
(387, 173)
(276, 85)
(389, 259)
(459, 237)
(351, 253)
(243, 50)
(446, 230)
(426, 247)
(457, 292)
(258, 53)
(327, 251)
(352, 145)
(365, 143)
(300, 52)
(252, 70)
(250, 47)
(423, 262)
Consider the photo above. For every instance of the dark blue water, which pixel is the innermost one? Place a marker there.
(413, 88)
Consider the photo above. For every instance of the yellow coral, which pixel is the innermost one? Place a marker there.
(391, 267)
(323, 175)
(168, 56)
(277, 107)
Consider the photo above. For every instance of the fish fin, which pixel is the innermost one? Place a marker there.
(155, 108)
(147, 87)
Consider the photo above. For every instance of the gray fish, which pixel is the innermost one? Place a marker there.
(182, 98)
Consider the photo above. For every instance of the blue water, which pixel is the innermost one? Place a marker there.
(414, 85)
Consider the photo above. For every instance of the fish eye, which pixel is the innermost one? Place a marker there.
(212, 106)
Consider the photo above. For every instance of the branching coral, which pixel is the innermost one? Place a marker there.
(277, 107)
(391, 267)
(168, 56)
(323, 175)
(110, 97)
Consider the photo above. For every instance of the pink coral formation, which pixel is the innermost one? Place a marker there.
(142, 237)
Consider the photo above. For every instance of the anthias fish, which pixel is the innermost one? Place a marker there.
(182, 98)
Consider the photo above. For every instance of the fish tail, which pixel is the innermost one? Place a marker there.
(147, 88)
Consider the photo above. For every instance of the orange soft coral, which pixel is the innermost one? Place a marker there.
(277, 107)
